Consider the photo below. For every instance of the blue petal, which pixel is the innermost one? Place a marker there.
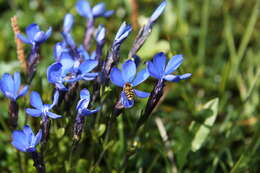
(84, 94)
(152, 70)
(83, 52)
(99, 9)
(39, 37)
(84, 9)
(31, 31)
(53, 115)
(58, 49)
(55, 99)
(128, 71)
(173, 64)
(18, 140)
(86, 112)
(48, 33)
(140, 77)
(67, 63)
(23, 91)
(23, 38)
(17, 82)
(87, 66)
(7, 86)
(28, 133)
(177, 78)
(141, 94)
(33, 112)
(54, 73)
(93, 55)
(158, 12)
(36, 100)
(37, 138)
(60, 87)
(108, 13)
(68, 22)
(159, 62)
(116, 77)
(126, 103)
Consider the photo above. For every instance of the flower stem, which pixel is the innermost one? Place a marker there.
(13, 113)
(40, 166)
(89, 33)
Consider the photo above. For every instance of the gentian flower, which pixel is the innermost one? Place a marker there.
(159, 70)
(82, 106)
(84, 9)
(41, 109)
(127, 79)
(82, 111)
(10, 86)
(35, 35)
(25, 140)
(70, 70)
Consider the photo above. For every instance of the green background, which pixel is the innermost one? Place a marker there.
(211, 120)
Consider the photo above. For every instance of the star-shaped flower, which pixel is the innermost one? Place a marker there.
(41, 109)
(127, 79)
(159, 70)
(10, 86)
(70, 70)
(25, 140)
(82, 106)
(35, 35)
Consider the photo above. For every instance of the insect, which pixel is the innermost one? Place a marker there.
(129, 91)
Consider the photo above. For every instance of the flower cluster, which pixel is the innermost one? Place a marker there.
(75, 66)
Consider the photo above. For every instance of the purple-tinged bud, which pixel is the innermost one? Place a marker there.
(157, 12)
(145, 31)
(122, 33)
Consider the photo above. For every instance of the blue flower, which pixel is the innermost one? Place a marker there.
(84, 9)
(82, 106)
(25, 140)
(159, 70)
(41, 109)
(10, 86)
(35, 35)
(127, 79)
(69, 70)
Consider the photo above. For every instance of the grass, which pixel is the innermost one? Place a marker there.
(220, 43)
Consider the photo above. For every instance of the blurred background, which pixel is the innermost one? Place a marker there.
(209, 123)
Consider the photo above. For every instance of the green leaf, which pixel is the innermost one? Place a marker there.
(204, 129)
